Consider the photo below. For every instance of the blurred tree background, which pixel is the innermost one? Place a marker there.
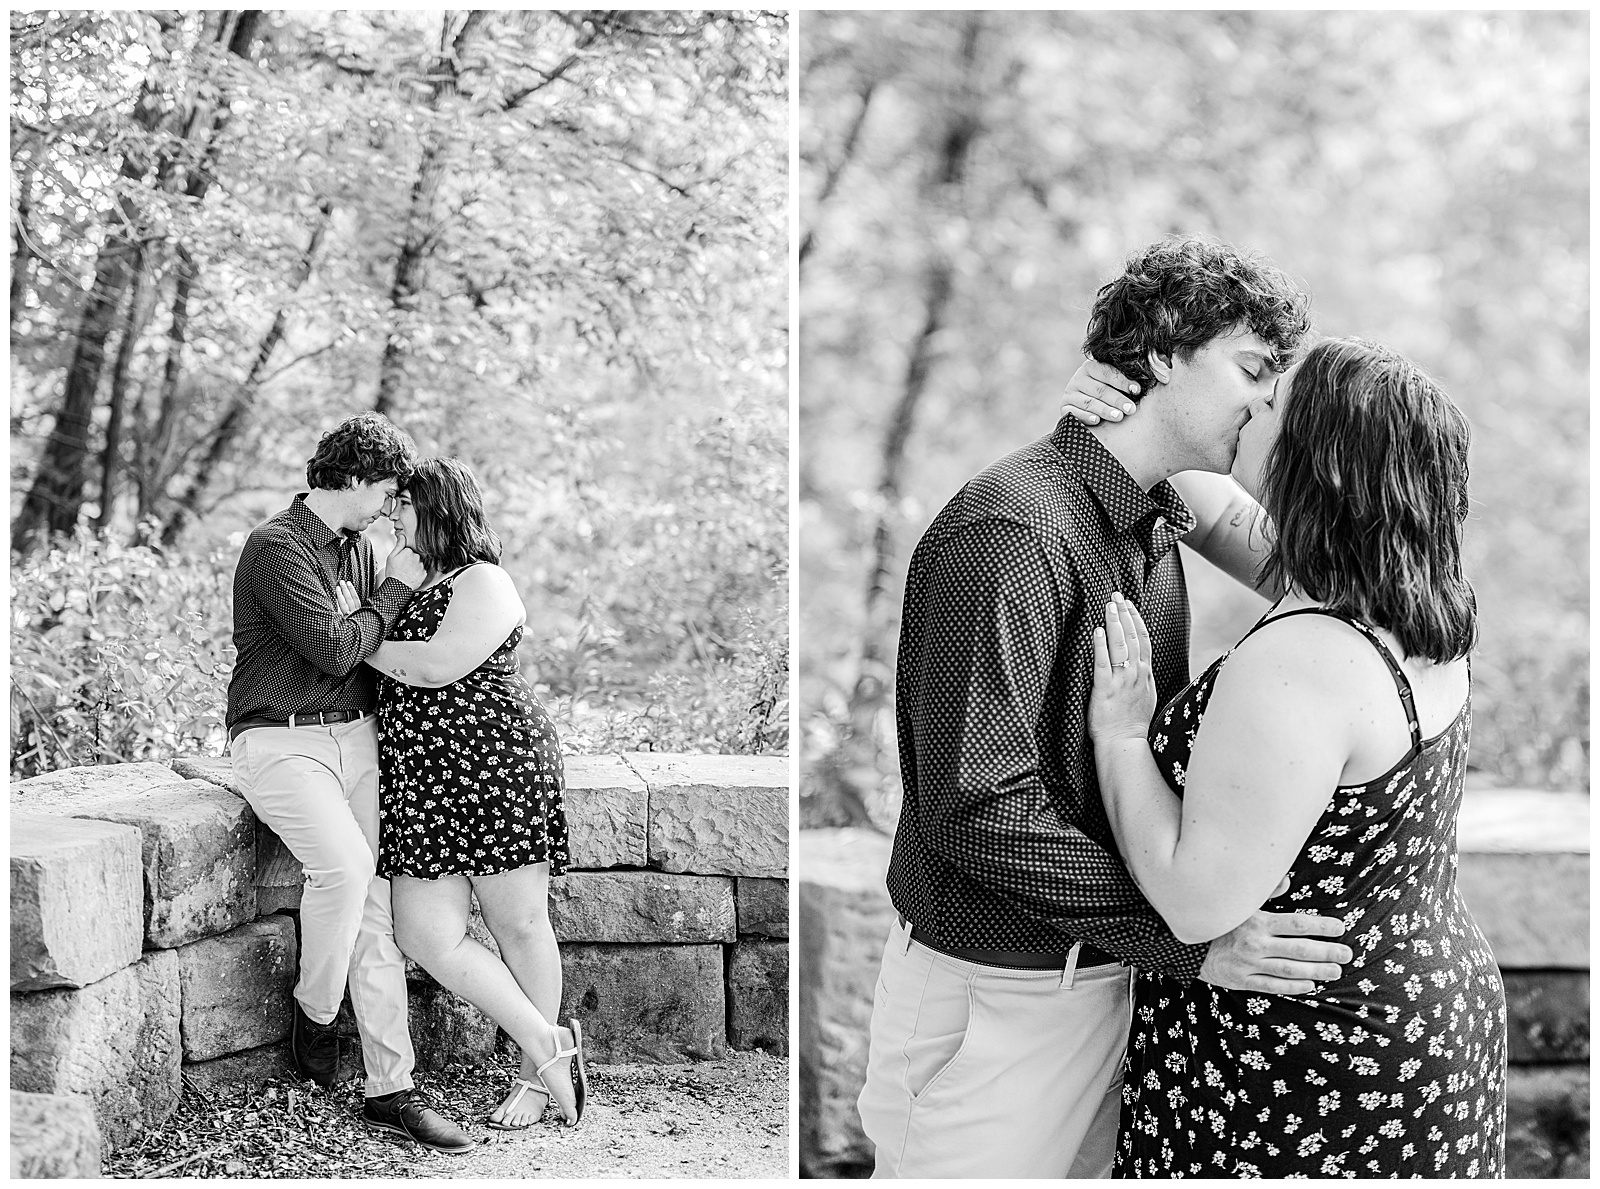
(969, 180)
(553, 244)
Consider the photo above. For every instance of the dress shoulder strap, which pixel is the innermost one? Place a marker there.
(1402, 683)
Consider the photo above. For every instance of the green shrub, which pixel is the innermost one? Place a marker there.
(118, 653)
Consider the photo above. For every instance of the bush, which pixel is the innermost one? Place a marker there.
(122, 653)
(118, 653)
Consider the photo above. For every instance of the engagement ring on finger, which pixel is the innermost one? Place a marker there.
(1120, 664)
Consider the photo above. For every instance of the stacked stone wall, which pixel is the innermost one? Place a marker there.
(154, 934)
(1524, 873)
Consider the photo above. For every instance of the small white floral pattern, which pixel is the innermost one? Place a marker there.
(1398, 1069)
(471, 771)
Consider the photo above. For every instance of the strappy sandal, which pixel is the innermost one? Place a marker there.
(579, 1073)
(520, 1086)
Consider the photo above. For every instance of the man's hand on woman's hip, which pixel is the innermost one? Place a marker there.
(1282, 953)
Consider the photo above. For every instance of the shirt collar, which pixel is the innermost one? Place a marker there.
(1124, 502)
(314, 527)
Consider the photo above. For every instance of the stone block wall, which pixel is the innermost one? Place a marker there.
(1524, 873)
(154, 934)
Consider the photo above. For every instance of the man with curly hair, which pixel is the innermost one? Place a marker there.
(304, 741)
(1002, 1008)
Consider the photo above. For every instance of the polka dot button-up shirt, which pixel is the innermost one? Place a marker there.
(1003, 841)
(297, 654)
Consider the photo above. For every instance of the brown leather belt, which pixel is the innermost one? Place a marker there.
(318, 718)
(1088, 955)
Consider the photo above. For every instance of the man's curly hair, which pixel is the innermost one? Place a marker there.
(1182, 292)
(364, 449)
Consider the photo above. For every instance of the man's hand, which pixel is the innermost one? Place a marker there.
(1277, 952)
(405, 566)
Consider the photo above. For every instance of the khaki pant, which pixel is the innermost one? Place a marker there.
(317, 788)
(978, 1071)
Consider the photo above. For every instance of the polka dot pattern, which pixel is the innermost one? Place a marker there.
(296, 653)
(471, 772)
(1003, 841)
(1397, 1069)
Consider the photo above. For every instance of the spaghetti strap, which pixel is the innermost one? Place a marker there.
(1402, 683)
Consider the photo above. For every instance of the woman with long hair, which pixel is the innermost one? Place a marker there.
(471, 791)
(1318, 767)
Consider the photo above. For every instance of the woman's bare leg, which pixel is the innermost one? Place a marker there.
(430, 925)
(516, 907)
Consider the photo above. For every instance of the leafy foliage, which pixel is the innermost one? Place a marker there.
(117, 654)
(968, 180)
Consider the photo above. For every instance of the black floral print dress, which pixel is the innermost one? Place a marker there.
(471, 772)
(1397, 1069)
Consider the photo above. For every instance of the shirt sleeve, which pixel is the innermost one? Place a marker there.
(995, 619)
(290, 592)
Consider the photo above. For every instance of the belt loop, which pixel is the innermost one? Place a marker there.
(1069, 971)
(905, 942)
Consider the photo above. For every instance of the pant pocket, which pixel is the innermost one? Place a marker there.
(944, 1031)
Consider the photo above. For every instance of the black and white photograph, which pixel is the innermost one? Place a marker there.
(1193, 621)
(399, 594)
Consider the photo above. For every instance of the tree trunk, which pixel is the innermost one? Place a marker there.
(110, 455)
(21, 252)
(238, 412)
(415, 246)
(158, 442)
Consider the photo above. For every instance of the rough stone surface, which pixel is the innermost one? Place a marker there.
(446, 1028)
(763, 906)
(1547, 1013)
(115, 1040)
(650, 1003)
(607, 811)
(1533, 908)
(717, 815)
(53, 1135)
(94, 782)
(278, 873)
(238, 988)
(645, 906)
(758, 996)
(1547, 1122)
(275, 900)
(253, 1068)
(77, 895)
(198, 843)
(216, 769)
(845, 916)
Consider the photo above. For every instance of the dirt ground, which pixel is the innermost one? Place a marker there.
(717, 1119)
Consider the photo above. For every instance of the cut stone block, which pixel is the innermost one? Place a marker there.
(717, 815)
(115, 1041)
(650, 1003)
(252, 1068)
(77, 896)
(1547, 1015)
(1533, 909)
(845, 917)
(270, 901)
(642, 906)
(763, 906)
(1547, 1122)
(238, 988)
(758, 996)
(278, 872)
(53, 1135)
(447, 1030)
(93, 782)
(198, 843)
(607, 811)
(216, 769)
(1524, 874)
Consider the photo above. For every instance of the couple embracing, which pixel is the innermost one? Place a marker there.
(1154, 926)
(379, 726)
